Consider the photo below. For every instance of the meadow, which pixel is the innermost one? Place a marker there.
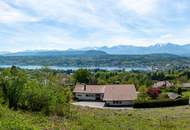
(84, 118)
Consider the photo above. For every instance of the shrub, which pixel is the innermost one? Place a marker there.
(163, 96)
(143, 97)
(153, 92)
(35, 97)
(161, 103)
(47, 99)
(12, 83)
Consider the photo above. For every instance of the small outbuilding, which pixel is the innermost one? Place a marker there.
(186, 86)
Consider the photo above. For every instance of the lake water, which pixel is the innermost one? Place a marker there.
(76, 68)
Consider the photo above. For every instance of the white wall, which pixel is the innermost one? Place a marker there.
(101, 96)
(120, 103)
(84, 96)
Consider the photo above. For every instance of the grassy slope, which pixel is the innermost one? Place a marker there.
(19, 120)
(187, 93)
(177, 118)
(144, 119)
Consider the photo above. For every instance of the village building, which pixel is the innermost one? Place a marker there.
(186, 86)
(163, 84)
(120, 95)
(112, 95)
(85, 92)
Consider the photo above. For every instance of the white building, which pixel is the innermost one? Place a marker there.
(163, 84)
(186, 86)
(120, 95)
(112, 95)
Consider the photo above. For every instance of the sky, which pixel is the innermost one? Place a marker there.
(64, 24)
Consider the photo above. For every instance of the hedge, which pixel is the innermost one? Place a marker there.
(161, 103)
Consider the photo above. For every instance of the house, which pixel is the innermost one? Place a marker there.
(120, 95)
(186, 86)
(112, 95)
(89, 92)
(163, 84)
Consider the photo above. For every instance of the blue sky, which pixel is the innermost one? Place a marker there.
(63, 24)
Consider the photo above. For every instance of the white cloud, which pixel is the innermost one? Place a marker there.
(77, 12)
(167, 36)
(140, 7)
(9, 14)
(61, 24)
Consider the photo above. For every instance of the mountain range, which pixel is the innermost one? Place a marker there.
(168, 48)
(57, 53)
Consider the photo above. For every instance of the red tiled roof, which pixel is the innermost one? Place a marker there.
(120, 93)
(89, 89)
(111, 92)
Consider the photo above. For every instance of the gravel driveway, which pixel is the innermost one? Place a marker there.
(97, 105)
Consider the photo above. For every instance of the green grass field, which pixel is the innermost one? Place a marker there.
(173, 118)
(187, 93)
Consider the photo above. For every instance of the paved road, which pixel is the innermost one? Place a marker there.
(97, 105)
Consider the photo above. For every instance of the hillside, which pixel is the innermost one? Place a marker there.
(94, 119)
(92, 59)
(56, 53)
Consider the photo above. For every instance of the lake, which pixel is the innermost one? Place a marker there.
(31, 67)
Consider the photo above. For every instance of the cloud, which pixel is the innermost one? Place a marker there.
(83, 13)
(140, 7)
(62, 24)
(9, 14)
(167, 36)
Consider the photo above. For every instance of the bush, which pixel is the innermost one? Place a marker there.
(47, 99)
(153, 92)
(35, 97)
(163, 96)
(143, 97)
(161, 103)
(12, 83)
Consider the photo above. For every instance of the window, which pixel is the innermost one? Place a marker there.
(89, 95)
(117, 102)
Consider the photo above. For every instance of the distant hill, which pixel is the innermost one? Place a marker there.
(57, 53)
(170, 48)
(3, 52)
(97, 59)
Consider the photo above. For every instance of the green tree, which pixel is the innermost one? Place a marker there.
(12, 83)
(82, 76)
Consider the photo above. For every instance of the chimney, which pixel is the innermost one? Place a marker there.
(84, 87)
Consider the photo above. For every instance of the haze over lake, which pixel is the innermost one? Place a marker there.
(31, 67)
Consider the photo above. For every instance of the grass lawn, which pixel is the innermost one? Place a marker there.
(186, 93)
(83, 118)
